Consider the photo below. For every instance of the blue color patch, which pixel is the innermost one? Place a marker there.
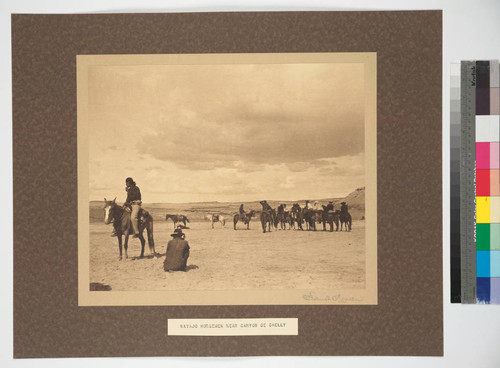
(483, 290)
(483, 263)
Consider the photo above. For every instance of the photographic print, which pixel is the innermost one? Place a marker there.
(227, 179)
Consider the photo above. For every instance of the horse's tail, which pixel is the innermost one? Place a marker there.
(223, 222)
(149, 230)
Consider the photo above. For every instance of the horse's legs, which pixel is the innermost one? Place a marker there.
(120, 246)
(143, 243)
(125, 244)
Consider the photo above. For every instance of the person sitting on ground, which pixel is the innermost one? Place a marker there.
(177, 252)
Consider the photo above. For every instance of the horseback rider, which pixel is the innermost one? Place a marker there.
(281, 209)
(134, 202)
(307, 206)
(265, 206)
(316, 206)
(329, 206)
(343, 207)
(242, 211)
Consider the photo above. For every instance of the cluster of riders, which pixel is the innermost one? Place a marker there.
(131, 219)
(296, 216)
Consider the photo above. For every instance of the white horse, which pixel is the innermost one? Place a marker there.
(213, 218)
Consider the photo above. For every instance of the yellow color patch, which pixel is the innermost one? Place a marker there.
(482, 210)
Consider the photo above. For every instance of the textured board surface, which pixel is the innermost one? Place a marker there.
(408, 318)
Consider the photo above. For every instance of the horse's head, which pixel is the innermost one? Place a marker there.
(108, 206)
(251, 213)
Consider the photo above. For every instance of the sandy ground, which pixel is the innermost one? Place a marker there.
(225, 259)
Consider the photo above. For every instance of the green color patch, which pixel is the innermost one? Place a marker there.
(483, 236)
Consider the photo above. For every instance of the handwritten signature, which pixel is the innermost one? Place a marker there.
(337, 298)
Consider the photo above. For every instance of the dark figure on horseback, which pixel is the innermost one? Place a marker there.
(329, 206)
(242, 211)
(122, 224)
(267, 216)
(345, 217)
(134, 202)
(281, 216)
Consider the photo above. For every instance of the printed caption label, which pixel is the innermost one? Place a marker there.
(233, 327)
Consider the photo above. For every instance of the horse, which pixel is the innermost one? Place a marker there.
(345, 218)
(268, 216)
(122, 223)
(330, 217)
(282, 216)
(289, 220)
(176, 219)
(310, 216)
(245, 218)
(216, 218)
(296, 215)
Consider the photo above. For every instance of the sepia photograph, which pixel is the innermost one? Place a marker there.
(227, 179)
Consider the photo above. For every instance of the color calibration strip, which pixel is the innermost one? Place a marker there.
(475, 179)
(487, 182)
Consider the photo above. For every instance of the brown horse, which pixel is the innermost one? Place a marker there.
(296, 215)
(245, 218)
(345, 219)
(330, 217)
(176, 219)
(122, 224)
(310, 216)
(268, 217)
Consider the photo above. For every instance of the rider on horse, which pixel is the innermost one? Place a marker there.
(343, 207)
(242, 211)
(133, 201)
(329, 206)
(265, 206)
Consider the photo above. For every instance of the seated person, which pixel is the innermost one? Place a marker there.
(177, 252)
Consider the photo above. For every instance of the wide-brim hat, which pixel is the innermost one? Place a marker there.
(177, 232)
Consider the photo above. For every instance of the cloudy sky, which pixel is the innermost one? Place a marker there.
(189, 133)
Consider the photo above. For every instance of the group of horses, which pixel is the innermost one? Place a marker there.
(120, 217)
(298, 216)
